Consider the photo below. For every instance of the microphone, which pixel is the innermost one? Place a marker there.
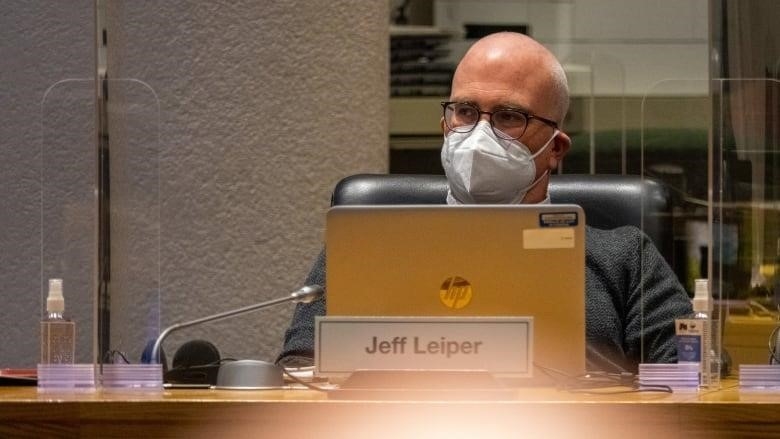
(195, 353)
(195, 362)
(306, 294)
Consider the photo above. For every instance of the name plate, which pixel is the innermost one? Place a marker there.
(501, 345)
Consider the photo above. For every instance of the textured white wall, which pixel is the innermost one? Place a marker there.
(259, 108)
(42, 43)
(263, 107)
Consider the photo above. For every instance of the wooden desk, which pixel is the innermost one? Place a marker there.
(305, 413)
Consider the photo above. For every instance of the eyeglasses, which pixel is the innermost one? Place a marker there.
(509, 124)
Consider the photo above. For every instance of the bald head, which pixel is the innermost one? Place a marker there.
(511, 71)
(517, 63)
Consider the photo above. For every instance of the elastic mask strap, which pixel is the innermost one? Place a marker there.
(555, 133)
(535, 182)
(528, 188)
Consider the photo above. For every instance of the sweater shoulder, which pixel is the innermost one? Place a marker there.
(612, 242)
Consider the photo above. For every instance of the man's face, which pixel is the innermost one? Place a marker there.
(496, 79)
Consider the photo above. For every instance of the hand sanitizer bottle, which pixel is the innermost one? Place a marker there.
(709, 377)
(58, 336)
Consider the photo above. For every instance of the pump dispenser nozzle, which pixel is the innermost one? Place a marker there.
(55, 302)
(702, 300)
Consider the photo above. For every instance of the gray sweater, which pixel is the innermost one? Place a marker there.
(631, 300)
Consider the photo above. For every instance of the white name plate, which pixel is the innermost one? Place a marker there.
(501, 345)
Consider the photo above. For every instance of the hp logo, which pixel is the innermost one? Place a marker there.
(455, 292)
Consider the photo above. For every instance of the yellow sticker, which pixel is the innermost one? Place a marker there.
(554, 237)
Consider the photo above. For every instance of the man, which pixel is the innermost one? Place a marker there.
(502, 138)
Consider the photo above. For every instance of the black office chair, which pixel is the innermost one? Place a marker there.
(608, 200)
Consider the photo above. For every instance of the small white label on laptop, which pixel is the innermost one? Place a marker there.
(548, 238)
(501, 345)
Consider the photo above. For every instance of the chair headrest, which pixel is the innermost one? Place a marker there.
(608, 200)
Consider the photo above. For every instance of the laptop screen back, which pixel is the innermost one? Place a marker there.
(476, 260)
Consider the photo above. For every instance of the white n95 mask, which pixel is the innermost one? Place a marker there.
(482, 168)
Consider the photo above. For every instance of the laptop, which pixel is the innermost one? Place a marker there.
(517, 260)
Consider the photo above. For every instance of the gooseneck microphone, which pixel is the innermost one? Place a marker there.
(306, 294)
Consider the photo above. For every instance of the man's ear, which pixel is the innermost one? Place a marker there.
(559, 148)
(443, 126)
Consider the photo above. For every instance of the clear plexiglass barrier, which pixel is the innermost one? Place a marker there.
(100, 210)
(725, 201)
